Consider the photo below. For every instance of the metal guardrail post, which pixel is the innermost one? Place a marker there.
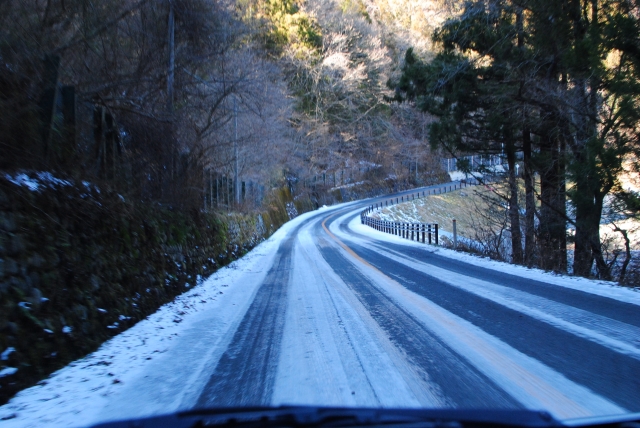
(410, 231)
(455, 235)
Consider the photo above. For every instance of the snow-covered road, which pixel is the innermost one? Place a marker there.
(330, 312)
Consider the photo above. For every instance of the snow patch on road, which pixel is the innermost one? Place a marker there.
(607, 332)
(599, 288)
(160, 364)
(529, 381)
(333, 352)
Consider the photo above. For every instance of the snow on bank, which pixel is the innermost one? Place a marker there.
(348, 185)
(529, 381)
(600, 288)
(45, 179)
(158, 365)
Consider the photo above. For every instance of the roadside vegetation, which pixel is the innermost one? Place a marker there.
(552, 86)
(483, 227)
(462, 205)
(481, 220)
(235, 115)
(169, 138)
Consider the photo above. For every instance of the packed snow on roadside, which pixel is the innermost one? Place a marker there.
(39, 179)
(169, 342)
(600, 288)
(180, 341)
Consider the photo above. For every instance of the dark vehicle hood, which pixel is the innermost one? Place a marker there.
(310, 416)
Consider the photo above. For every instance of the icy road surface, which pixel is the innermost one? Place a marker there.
(330, 312)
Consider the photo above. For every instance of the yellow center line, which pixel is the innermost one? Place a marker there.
(345, 247)
(536, 387)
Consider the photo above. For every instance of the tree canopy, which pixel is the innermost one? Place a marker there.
(556, 81)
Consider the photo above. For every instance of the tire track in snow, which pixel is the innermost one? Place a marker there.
(461, 383)
(246, 372)
(604, 371)
(606, 307)
(619, 336)
(317, 365)
(333, 352)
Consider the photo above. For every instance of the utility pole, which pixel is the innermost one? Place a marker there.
(170, 71)
(235, 152)
(170, 74)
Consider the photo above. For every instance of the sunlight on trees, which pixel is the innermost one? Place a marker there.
(555, 81)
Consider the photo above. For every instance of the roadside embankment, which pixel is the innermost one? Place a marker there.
(79, 264)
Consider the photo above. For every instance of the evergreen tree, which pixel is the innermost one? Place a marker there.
(557, 80)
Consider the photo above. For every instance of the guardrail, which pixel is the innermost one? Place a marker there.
(412, 231)
(421, 232)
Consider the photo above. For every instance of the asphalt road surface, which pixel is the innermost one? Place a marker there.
(344, 318)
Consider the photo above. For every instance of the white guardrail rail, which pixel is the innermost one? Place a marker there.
(427, 233)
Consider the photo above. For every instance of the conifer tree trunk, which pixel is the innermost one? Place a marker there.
(529, 188)
(530, 204)
(586, 216)
(514, 211)
(588, 196)
(552, 235)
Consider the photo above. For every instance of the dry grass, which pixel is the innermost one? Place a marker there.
(480, 216)
(466, 206)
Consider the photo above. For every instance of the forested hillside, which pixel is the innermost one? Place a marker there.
(166, 100)
(128, 123)
(336, 57)
(144, 144)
